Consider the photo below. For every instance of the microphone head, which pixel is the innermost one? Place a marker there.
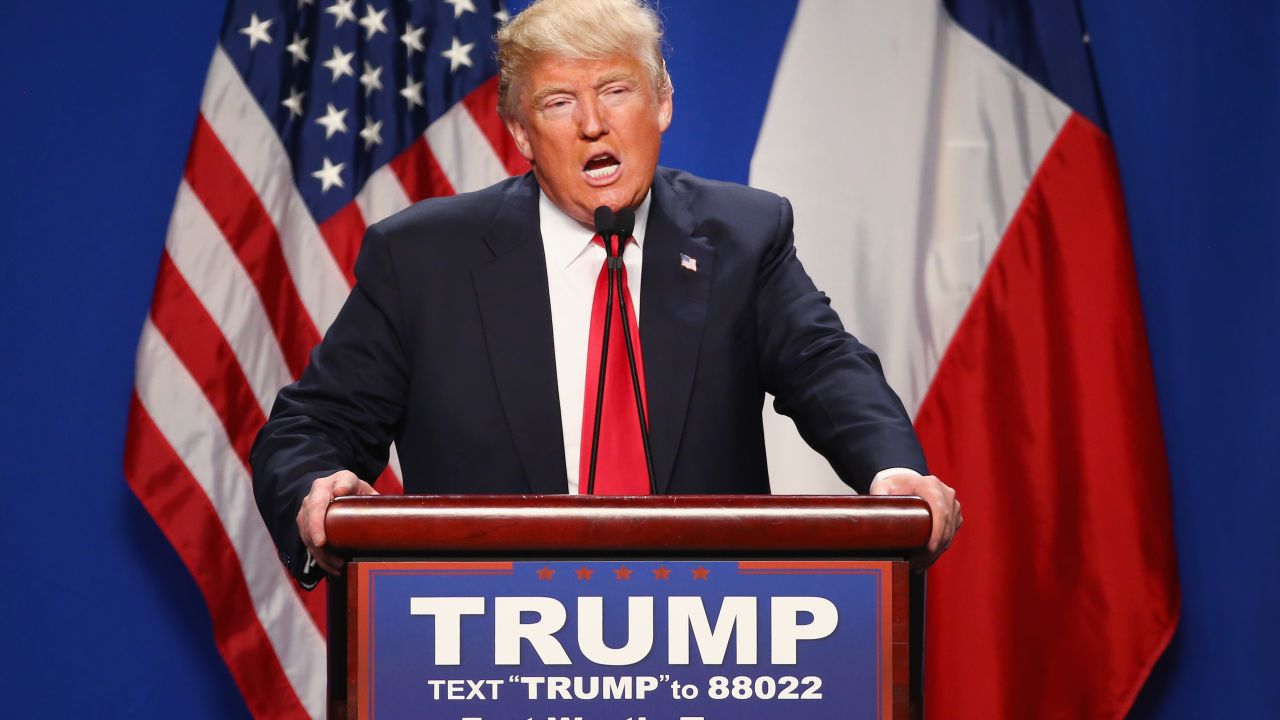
(624, 223)
(604, 221)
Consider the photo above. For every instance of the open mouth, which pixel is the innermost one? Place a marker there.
(602, 166)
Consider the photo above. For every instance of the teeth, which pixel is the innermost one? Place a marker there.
(602, 172)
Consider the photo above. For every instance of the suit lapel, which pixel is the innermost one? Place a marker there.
(673, 310)
(515, 308)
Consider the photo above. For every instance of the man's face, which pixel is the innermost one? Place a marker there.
(592, 130)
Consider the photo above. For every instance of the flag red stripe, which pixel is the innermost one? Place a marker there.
(420, 173)
(388, 483)
(200, 345)
(482, 103)
(235, 207)
(182, 510)
(1061, 590)
(343, 232)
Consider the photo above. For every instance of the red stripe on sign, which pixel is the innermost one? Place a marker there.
(1060, 592)
(199, 344)
(420, 173)
(180, 507)
(482, 103)
(343, 232)
(236, 208)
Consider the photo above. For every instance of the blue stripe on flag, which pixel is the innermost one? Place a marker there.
(1045, 39)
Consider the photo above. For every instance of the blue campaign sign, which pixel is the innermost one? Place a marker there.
(624, 639)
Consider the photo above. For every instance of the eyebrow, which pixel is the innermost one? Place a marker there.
(613, 77)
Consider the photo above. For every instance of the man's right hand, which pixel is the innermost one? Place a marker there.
(316, 504)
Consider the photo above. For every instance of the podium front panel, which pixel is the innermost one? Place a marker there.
(618, 638)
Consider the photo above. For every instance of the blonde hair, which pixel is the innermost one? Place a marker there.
(588, 29)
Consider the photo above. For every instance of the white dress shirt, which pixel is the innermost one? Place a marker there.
(573, 264)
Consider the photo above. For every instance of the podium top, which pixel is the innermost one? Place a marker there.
(577, 525)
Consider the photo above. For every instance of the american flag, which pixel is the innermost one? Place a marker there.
(317, 119)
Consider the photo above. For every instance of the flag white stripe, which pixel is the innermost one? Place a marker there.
(463, 151)
(899, 212)
(214, 273)
(243, 129)
(382, 196)
(183, 415)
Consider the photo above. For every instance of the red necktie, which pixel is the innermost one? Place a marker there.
(620, 465)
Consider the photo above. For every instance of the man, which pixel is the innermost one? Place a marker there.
(465, 339)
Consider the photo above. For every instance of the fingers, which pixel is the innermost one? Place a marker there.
(943, 505)
(310, 518)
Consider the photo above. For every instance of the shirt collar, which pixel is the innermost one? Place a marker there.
(565, 239)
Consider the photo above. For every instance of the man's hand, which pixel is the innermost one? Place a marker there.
(316, 504)
(941, 498)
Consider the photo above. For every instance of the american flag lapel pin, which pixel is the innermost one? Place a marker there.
(688, 263)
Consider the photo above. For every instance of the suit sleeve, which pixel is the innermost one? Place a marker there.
(828, 383)
(342, 413)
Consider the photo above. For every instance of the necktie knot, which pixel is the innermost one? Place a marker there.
(600, 241)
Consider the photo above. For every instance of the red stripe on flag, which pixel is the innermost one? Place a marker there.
(343, 232)
(388, 483)
(235, 207)
(482, 103)
(200, 345)
(420, 173)
(180, 507)
(202, 348)
(1061, 591)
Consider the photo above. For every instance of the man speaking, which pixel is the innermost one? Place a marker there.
(474, 335)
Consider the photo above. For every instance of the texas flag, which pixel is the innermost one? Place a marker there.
(956, 194)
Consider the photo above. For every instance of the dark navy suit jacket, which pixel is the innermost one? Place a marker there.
(445, 347)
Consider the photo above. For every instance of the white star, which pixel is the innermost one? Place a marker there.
(371, 79)
(294, 101)
(372, 22)
(502, 16)
(298, 48)
(412, 39)
(412, 92)
(372, 132)
(334, 121)
(461, 6)
(340, 63)
(257, 30)
(329, 175)
(341, 11)
(458, 55)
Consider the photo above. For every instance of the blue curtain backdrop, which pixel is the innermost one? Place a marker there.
(97, 105)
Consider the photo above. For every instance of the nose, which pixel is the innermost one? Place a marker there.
(592, 122)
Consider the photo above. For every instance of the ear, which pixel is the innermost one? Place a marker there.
(516, 128)
(665, 109)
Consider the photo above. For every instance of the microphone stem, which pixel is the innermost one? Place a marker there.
(635, 382)
(604, 359)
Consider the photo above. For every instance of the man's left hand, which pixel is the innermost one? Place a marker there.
(941, 498)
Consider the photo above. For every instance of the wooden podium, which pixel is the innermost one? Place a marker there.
(387, 530)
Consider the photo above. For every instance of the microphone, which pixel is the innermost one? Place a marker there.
(604, 223)
(624, 223)
(604, 218)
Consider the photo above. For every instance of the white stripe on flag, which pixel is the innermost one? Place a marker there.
(214, 273)
(243, 129)
(903, 175)
(382, 196)
(454, 139)
(179, 409)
